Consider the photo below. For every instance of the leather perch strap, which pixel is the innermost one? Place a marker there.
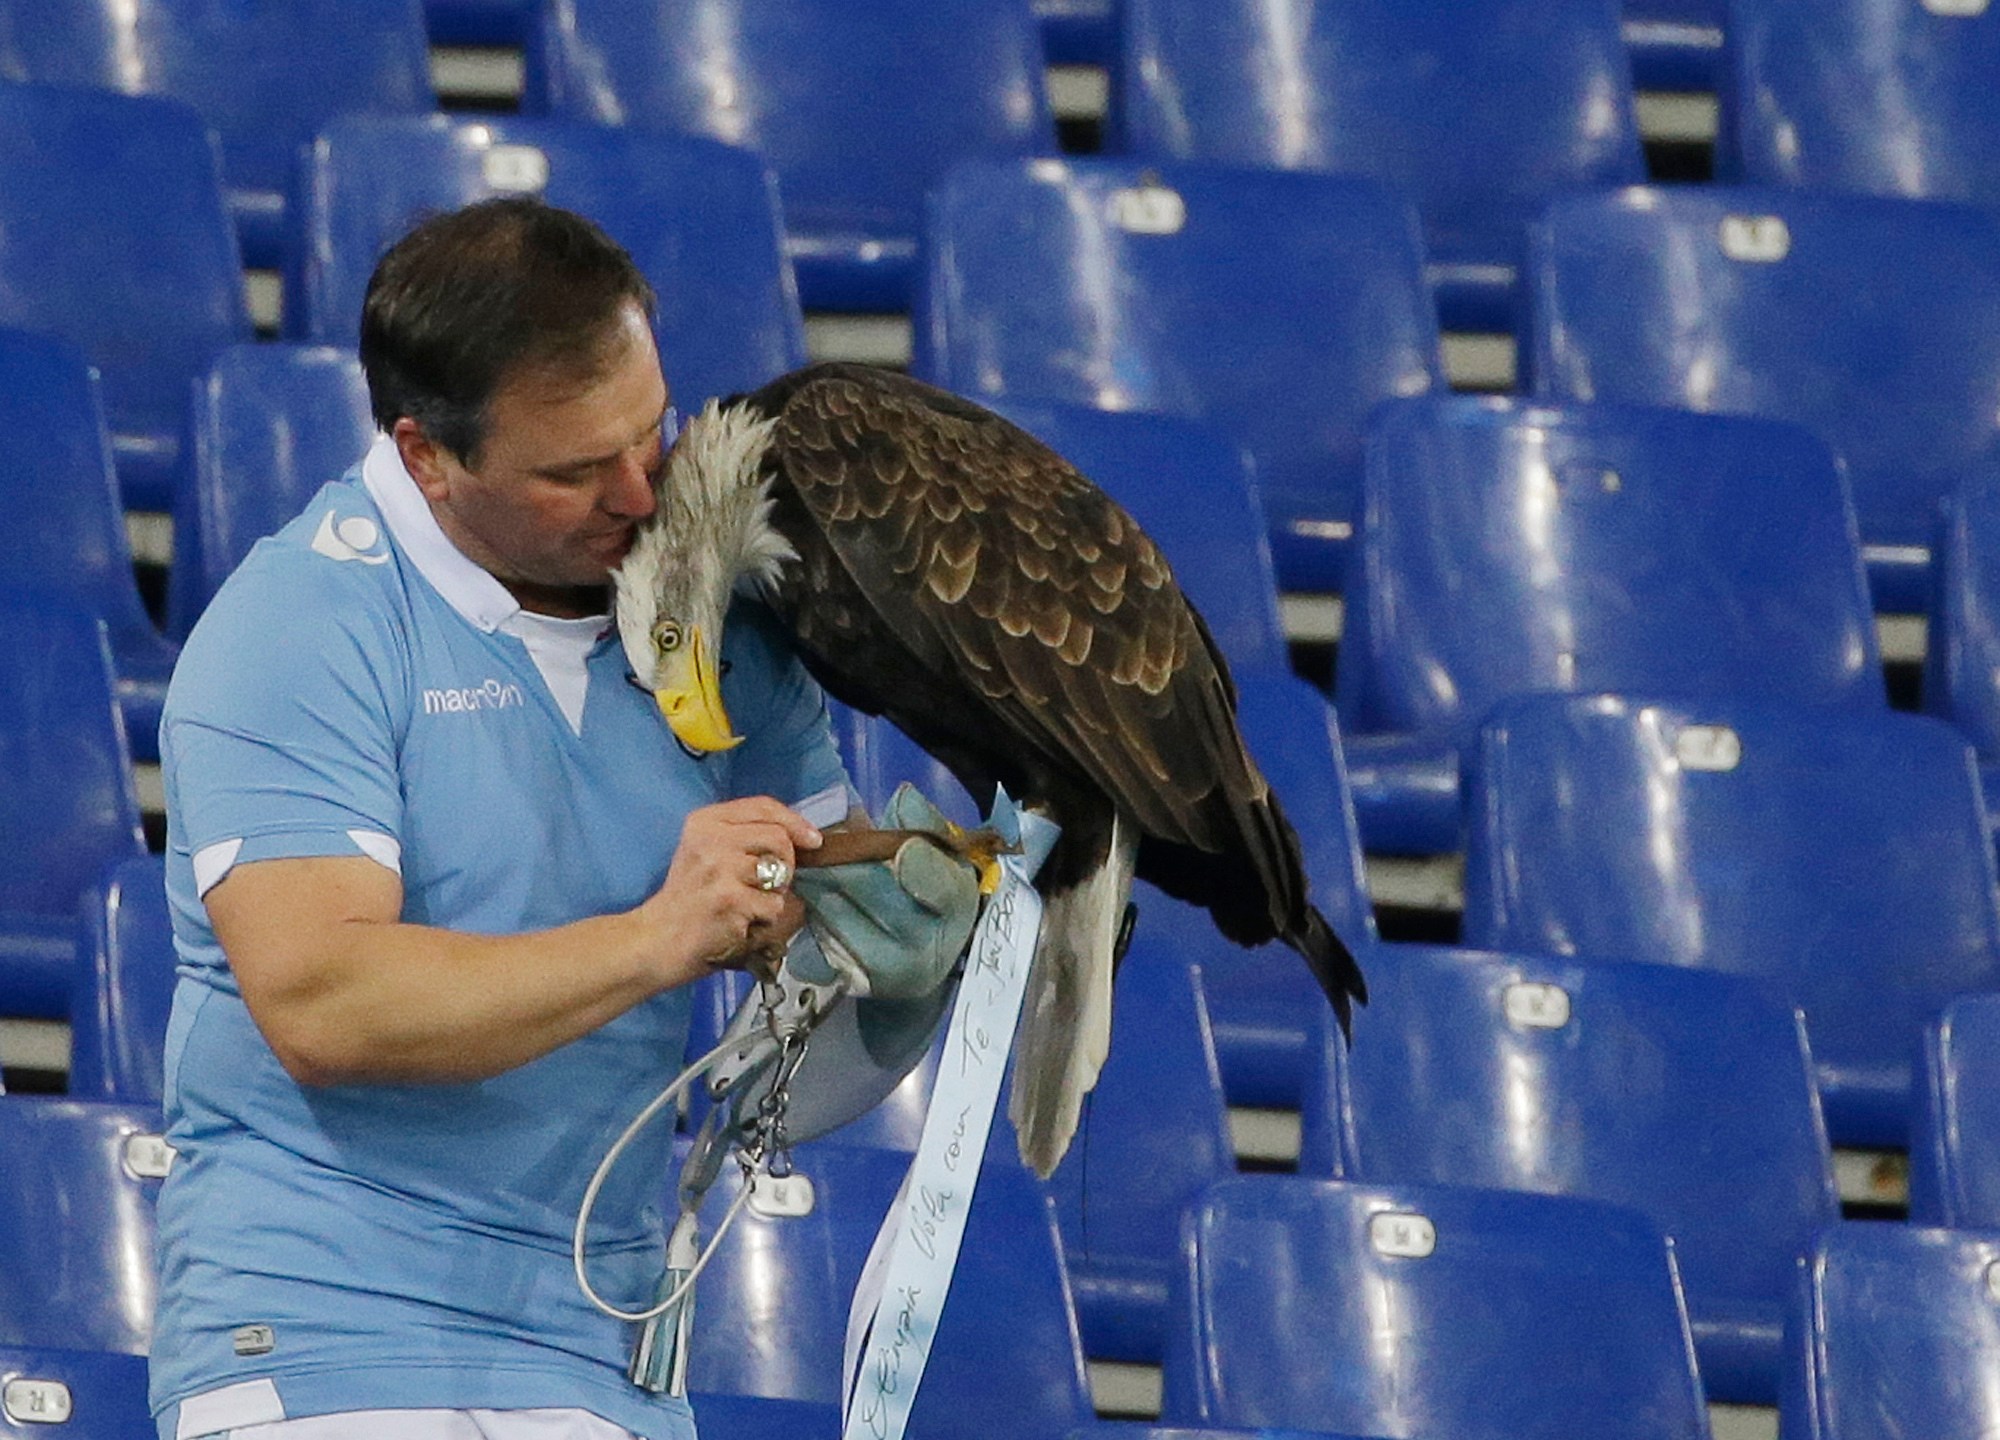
(853, 847)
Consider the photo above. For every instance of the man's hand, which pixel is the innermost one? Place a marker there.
(711, 912)
(896, 928)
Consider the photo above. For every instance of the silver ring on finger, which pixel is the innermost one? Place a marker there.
(773, 874)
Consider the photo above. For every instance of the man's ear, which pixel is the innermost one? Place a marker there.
(427, 461)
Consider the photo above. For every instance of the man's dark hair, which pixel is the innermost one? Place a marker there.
(467, 299)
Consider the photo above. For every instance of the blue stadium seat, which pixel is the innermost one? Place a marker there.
(700, 219)
(1955, 1136)
(1428, 1310)
(1843, 857)
(1962, 646)
(1877, 97)
(113, 235)
(124, 985)
(1278, 306)
(1509, 546)
(1155, 1133)
(72, 1395)
(1139, 1430)
(1894, 1334)
(1686, 1096)
(76, 1223)
(772, 1308)
(757, 1417)
(1674, 44)
(262, 77)
(67, 535)
(1194, 491)
(479, 22)
(68, 806)
(1479, 113)
(858, 107)
(1746, 301)
(269, 425)
(1079, 32)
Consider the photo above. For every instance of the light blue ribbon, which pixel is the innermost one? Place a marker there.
(903, 1287)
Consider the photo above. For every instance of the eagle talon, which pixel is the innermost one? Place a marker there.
(983, 847)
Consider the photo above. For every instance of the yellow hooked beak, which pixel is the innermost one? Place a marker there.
(690, 696)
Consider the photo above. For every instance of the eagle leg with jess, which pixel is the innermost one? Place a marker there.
(938, 566)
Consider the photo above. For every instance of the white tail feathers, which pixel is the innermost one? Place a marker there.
(1066, 1020)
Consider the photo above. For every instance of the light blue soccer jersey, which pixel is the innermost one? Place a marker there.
(359, 687)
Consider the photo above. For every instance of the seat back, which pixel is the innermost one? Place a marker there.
(1955, 1137)
(69, 806)
(1844, 857)
(754, 1417)
(76, 1213)
(1480, 114)
(113, 235)
(774, 1301)
(125, 988)
(1130, 1430)
(271, 424)
(1154, 1134)
(699, 219)
(858, 108)
(1428, 1310)
(262, 77)
(67, 527)
(1278, 307)
(1689, 1097)
(1962, 648)
(1872, 96)
(1674, 44)
(1194, 491)
(95, 1395)
(1895, 1332)
(1512, 546)
(1744, 301)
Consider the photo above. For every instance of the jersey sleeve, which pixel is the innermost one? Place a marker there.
(788, 750)
(280, 734)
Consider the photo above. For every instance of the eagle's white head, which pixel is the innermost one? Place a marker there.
(709, 536)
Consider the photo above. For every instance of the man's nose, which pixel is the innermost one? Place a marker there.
(630, 490)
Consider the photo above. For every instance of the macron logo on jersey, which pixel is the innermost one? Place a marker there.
(488, 695)
(354, 538)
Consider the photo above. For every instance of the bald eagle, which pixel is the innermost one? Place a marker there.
(942, 568)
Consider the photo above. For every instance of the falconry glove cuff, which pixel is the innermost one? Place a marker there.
(892, 929)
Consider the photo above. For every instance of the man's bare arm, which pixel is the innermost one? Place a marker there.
(347, 994)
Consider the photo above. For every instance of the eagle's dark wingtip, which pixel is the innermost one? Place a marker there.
(1334, 966)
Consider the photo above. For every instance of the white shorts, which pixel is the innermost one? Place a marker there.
(568, 1424)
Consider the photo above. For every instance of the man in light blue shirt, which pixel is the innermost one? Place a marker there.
(440, 875)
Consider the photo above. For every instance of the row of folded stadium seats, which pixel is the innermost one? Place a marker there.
(1281, 307)
(1674, 43)
(1480, 116)
(1835, 863)
(1363, 1306)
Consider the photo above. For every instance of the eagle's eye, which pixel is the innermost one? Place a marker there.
(666, 637)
